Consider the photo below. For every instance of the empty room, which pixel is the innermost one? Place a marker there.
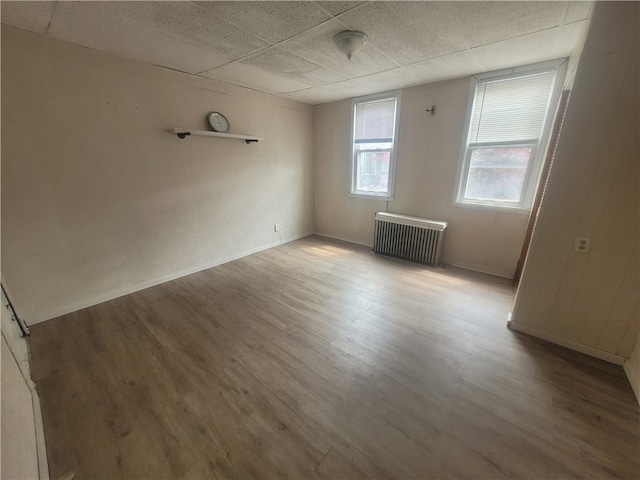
(320, 239)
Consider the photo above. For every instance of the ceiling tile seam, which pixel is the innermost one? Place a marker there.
(336, 15)
(565, 13)
(269, 42)
(351, 10)
(271, 47)
(236, 85)
(186, 41)
(412, 64)
(577, 21)
(356, 78)
(369, 42)
(237, 27)
(182, 41)
(306, 31)
(317, 4)
(238, 60)
(514, 38)
(276, 47)
(350, 77)
(278, 44)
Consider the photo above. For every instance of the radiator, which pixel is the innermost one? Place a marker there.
(409, 238)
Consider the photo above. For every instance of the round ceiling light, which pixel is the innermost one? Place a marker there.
(350, 42)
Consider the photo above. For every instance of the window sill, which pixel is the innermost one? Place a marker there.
(384, 198)
(494, 207)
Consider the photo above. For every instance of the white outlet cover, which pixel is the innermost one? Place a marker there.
(582, 244)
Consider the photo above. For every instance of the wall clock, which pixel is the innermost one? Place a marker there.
(218, 122)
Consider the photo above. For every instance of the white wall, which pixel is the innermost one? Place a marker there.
(98, 200)
(590, 301)
(427, 162)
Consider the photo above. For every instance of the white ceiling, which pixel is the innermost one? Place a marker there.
(286, 48)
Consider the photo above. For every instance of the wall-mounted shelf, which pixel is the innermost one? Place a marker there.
(185, 132)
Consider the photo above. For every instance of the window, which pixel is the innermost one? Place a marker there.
(505, 144)
(374, 145)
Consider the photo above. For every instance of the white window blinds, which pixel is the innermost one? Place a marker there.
(375, 121)
(512, 109)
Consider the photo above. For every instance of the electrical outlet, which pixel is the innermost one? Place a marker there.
(582, 244)
(276, 227)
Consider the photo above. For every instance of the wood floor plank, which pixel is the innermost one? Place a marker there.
(317, 359)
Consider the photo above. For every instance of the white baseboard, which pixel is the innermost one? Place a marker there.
(348, 240)
(578, 347)
(85, 303)
(41, 445)
(633, 379)
(481, 270)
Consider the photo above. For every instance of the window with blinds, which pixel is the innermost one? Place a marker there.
(374, 140)
(509, 121)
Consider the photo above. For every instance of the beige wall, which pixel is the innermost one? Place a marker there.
(632, 369)
(99, 200)
(22, 441)
(19, 457)
(427, 163)
(590, 301)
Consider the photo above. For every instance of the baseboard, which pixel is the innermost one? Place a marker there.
(343, 239)
(633, 379)
(41, 446)
(480, 270)
(578, 347)
(74, 307)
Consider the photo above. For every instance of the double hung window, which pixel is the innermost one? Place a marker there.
(507, 134)
(374, 145)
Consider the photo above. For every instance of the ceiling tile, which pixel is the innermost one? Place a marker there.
(317, 46)
(408, 32)
(33, 16)
(336, 8)
(379, 82)
(487, 22)
(190, 23)
(314, 96)
(281, 62)
(455, 65)
(524, 50)
(253, 77)
(577, 11)
(571, 38)
(410, 42)
(272, 21)
(101, 25)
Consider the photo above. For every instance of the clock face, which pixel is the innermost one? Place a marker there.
(218, 122)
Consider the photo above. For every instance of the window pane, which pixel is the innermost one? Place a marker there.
(511, 109)
(373, 171)
(497, 173)
(375, 119)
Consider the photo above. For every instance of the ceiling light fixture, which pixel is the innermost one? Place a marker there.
(350, 42)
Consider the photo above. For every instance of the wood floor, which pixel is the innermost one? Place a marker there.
(317, 359)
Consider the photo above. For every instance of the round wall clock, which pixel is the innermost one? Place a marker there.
(218, 122)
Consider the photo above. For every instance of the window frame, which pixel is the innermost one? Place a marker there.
(539, 145)
(353, 167)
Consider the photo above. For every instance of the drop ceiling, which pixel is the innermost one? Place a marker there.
(286, 48)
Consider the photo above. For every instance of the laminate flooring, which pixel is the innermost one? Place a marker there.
(318, 359)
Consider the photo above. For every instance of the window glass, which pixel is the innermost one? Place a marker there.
(508, 123)
(373, 149)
